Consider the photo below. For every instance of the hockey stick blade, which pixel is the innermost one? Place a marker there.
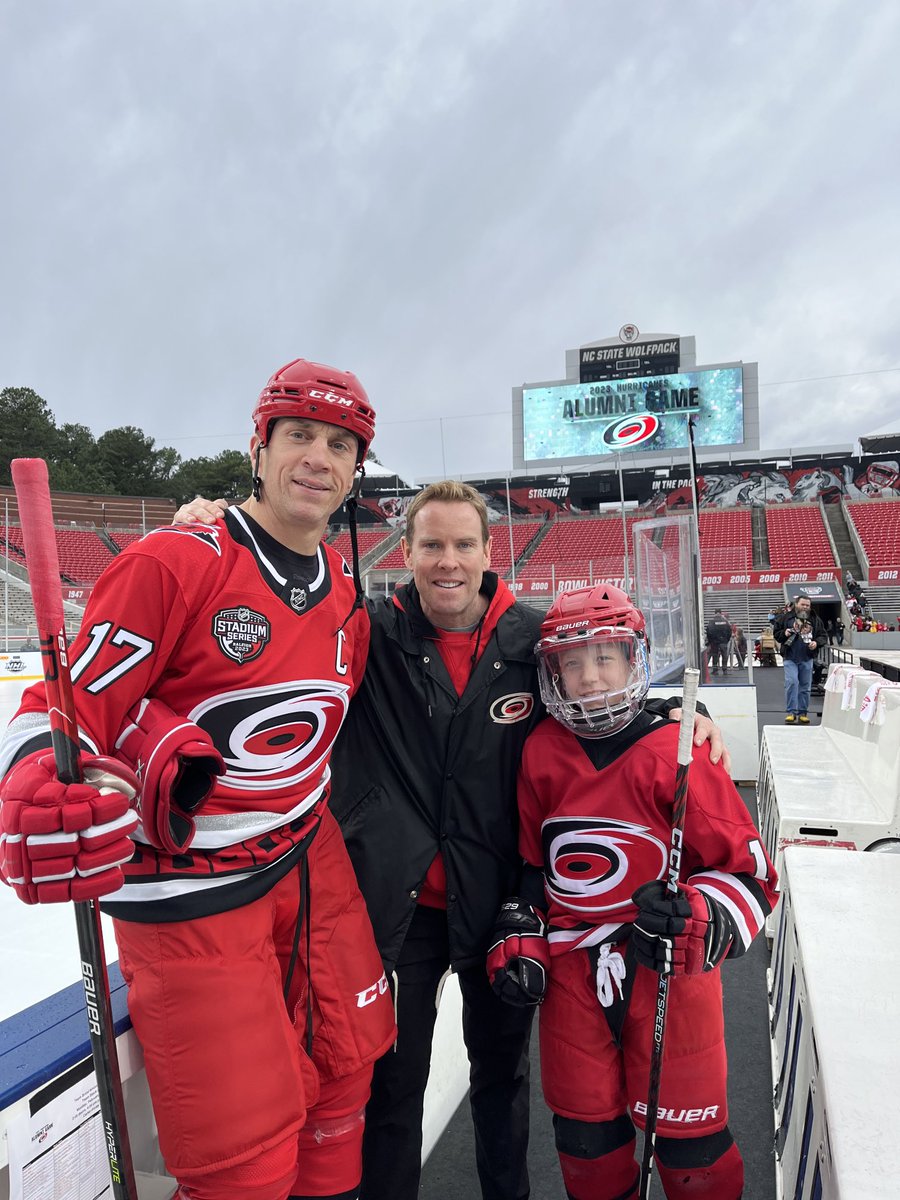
(32, 487)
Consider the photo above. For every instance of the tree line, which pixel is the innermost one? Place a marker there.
(120, 462)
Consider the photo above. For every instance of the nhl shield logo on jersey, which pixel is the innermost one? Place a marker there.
(242, 634)
(298, 599)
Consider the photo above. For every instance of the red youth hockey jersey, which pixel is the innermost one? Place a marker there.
(236, 633)
(596, 817)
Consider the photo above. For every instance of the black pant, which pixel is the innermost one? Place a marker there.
(496, 1037)
(718, 654)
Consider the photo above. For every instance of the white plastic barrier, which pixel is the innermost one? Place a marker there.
(837, 784)
(734, 711)
(835, 1051)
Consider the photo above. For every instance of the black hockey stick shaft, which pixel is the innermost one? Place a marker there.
(36, 518)
(685, 749)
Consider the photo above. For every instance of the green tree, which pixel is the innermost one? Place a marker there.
(75, 467)
(27, 428)
(227, 475)
(131, 464)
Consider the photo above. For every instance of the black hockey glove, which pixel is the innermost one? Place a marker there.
(519, 958)
(679, 935)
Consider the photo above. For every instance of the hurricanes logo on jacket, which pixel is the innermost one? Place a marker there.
(506, 710)
(594, 864)
(242, 634)
(274, 737)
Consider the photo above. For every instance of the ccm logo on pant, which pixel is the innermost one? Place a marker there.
(369, 994)
(685, 1116)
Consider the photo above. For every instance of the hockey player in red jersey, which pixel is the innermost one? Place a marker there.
(217, 664)
(596, 793)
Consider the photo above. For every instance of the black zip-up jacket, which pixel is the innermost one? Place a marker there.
(418, 769)
(797, 649)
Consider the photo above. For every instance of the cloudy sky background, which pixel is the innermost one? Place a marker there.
(443, 196)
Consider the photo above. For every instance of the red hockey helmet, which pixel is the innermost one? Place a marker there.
(319, 393)
(593, 666)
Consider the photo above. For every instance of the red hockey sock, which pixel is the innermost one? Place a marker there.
(687, 1174)
(597, 1159)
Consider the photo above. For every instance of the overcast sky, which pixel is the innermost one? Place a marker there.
(443, 196)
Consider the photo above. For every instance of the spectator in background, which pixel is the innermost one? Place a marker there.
(839, 630)
(739, 642)
(801, 634)
(830, 631)
(718, 635)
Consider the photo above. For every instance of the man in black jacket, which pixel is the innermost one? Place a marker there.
(424, 790)
(718, 635)
(801, 634)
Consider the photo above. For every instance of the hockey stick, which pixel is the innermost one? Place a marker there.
(685, 749)
(36, 518)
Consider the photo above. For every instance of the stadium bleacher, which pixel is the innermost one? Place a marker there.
(82, 555)
(877, 522)
(367, 540)
(797, 537)
(726, 539)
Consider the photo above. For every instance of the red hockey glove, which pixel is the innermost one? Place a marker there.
(679, 935)
(519, 957)
(177, 765)
(66, 841)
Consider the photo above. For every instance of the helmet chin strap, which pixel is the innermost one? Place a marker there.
(257, 478)
(351, 502)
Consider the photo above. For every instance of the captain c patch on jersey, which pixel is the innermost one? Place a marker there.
(242, 634)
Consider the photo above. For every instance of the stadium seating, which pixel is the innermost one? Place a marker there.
(82, 555)
(797, 537)
(125, 539)
(878, 524)
(501, 562)
(726, 540)
(12, 541)
(367, 540)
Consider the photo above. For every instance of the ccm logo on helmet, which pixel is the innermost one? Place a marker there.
(514, 707)
(331, 397)
(370, 994)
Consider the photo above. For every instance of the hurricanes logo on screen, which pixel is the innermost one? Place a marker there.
(631, 430)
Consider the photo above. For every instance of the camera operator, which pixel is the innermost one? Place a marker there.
(801, 634)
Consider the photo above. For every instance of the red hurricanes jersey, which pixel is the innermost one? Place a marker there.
(596, 817)
(248, 640)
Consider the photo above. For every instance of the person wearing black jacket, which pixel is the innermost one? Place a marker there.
(425, 793)
(718, 635)
(801, 634)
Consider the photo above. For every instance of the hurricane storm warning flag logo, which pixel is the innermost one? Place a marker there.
(242, 634)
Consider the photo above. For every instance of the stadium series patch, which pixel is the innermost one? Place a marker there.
(242, 634)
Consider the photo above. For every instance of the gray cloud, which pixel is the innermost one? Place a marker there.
(444, 198)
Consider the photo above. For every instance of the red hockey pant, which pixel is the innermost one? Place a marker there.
(231, 1082)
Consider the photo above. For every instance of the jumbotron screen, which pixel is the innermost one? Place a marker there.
(647, 414)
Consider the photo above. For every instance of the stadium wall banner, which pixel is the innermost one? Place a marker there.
(575, 420)
(771, 578)
(541, 495)
(830, 481)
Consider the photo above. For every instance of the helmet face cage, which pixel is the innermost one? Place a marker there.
(566, 666)
(312, 391)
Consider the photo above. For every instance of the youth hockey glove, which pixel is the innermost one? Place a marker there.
(177, 765)
(66, 841)
(679, 935)
(519, 957)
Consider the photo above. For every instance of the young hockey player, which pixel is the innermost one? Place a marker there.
(255, 986)
(596, 793)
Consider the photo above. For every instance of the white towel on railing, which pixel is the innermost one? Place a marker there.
(872, 710)
(841, 680)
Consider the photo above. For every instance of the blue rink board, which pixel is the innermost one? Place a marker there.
(42, 1041)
